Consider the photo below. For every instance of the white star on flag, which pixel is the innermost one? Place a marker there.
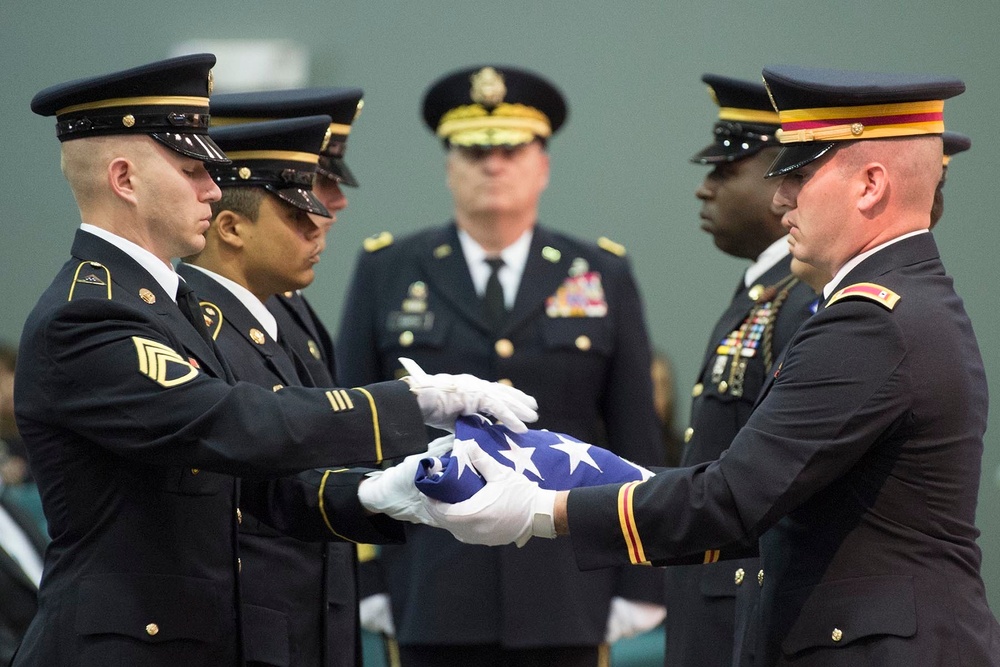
(520, 457)
(578, 452)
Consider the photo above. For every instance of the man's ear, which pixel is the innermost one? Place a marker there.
(121, 173)
(874, 187)
(227, 226)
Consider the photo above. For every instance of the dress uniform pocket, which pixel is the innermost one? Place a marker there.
(718, 580)
(398, 337)
(833, 615)
(265, 636)
(144, 618)
(586, 335)
(152, 608)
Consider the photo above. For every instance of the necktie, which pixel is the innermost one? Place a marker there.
(494, 308)
(188, 304)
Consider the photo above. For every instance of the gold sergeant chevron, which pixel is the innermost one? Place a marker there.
(162, 364)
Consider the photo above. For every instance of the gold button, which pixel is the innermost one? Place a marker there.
(504, 348)
(239, 565)
(152, 629)
(195, 471)
(406, 338)
(239, 515)
(760, 578)
(697, 389)
(289, 294)
(739, 576)
(583, 343)
(688, 433)
(506, 382)
(836, 635)
(723, 386)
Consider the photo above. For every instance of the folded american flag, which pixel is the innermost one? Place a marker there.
(555, 461)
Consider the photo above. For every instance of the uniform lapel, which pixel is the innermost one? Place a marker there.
(133, 284)
(542, 277)
(740, 307)
(234, 314)
(444, 266)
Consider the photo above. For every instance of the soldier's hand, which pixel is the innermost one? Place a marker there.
(392, 491)
(444, 397)
(510, 508)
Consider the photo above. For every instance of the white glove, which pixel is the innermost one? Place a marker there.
(376, 615)
(628, 618)
(392, 491)
(510, 508)
(443, 397)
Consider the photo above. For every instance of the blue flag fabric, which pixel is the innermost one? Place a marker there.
(555, 461)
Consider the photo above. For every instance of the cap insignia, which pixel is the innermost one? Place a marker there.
(211, 82)
(357, 112)
(488, 87)
(326, 140)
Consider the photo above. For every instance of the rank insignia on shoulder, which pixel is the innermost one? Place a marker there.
(162, 364)
(614, 248)
(91, 275)
(377, 242)
(880, 295)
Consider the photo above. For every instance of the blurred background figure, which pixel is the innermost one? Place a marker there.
(665, 400)
(495, 294)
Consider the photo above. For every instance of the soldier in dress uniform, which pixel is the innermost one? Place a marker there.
(299, 597)
(301, 329)
(859, 469)
(495, 294)
(137, 430)
(296, 317)
(767, 308)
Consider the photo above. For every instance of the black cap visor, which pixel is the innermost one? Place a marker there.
(300, 198)
(735, 141)
(336, 168)
(197, 146)
(796, 156)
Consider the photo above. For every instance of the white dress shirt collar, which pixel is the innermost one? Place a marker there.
(514, 256)
(162, 273)
(772, 254)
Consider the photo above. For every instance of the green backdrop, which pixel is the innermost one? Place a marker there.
(638, 110)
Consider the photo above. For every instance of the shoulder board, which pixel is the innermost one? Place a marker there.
(614, 248)
(881, 295)
(213, 318)
(377, 242)
(91, 279)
